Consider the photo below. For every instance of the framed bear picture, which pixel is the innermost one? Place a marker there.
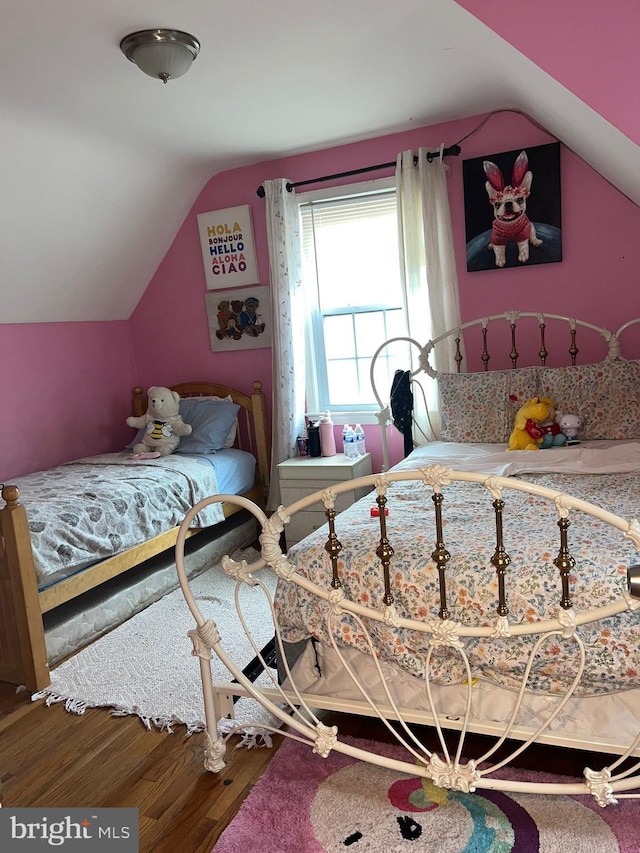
(512, 208)
(239, 319)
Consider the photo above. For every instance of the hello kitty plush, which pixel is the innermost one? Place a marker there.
(571, 426)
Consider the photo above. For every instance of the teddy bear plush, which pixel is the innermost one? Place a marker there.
(162, 423)
(528, 432)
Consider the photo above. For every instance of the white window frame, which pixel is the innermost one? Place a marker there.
(315, 361)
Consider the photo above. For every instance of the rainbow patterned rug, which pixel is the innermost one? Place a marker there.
(307, 804)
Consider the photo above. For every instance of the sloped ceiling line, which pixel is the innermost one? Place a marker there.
(101, 171)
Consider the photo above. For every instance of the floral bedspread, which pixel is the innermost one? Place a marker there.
(531, 538)
(92, 508)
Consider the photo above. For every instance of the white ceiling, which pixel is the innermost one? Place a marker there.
(100, 164)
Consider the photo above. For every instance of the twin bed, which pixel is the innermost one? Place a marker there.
(473, 589)
(69, 532)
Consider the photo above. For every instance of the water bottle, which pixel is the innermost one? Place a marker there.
(350, 449)
(327, 438)
(359, 433)
(345, 430)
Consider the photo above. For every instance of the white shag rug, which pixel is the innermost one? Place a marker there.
(146, 667)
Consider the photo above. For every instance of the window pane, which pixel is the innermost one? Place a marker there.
(392, 358)
(352, 245)
(343, 382)
(358, 263)
(338, 336)
(396, 326)
(351, 276)
(370, 332)
(366, 394)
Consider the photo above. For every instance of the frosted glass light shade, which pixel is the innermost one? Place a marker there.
(163, 54)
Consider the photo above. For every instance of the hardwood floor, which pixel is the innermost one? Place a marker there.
(50, 757)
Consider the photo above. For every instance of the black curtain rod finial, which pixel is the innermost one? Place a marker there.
(452, 150)
(260, 191)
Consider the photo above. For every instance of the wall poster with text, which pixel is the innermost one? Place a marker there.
(228, 250)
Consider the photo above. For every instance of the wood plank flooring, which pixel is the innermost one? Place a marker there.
(50, 757)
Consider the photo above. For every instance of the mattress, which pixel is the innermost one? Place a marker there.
(606, 473)
(235, 470)
(76, 623)
(607, 722)
(92, 508)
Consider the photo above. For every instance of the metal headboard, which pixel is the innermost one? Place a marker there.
(426, 356)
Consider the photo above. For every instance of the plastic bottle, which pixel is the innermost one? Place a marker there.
(327, 438)
(350, 449)
(359, 440)
(345, 430)
(314, 438)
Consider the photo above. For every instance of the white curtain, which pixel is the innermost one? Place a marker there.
(428, 265)
(283, 237)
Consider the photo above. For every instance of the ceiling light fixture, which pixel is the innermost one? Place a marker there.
(164, 54)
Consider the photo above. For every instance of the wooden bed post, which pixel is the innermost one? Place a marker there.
(138, 401)
(262, 434)
(23, 654)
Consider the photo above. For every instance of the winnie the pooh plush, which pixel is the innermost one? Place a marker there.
(162, 423)
(528, 433)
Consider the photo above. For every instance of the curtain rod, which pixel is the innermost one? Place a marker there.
(452, 151)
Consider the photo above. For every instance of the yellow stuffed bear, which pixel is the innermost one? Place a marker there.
(527, 433)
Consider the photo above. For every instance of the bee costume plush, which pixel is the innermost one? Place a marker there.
(162, 423)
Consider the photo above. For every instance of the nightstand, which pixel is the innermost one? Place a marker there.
(303, 475)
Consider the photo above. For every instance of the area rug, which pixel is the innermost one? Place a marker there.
(307, 804)
(145, 666)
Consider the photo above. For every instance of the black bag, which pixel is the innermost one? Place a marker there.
(402, 407)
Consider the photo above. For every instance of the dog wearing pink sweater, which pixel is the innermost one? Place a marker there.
(510, 223)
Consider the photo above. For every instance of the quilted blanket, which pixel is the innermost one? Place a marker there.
(602, 556)
(89, 509)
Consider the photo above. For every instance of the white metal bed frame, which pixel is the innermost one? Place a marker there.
(425, 355)
(454, 767)
(295, 710)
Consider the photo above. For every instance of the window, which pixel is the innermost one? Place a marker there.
(353, 292)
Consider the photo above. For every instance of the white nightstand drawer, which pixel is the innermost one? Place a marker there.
(302, 524)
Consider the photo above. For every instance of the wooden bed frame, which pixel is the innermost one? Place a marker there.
(23, 656)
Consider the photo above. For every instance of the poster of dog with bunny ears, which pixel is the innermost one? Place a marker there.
(512, 208)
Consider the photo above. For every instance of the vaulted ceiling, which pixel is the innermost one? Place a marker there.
(100, 163)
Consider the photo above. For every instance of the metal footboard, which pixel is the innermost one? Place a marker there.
(452, 766)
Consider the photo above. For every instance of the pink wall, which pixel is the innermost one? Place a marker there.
(66, 392)
(589, 47)
(595, 281)
(167, 338)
